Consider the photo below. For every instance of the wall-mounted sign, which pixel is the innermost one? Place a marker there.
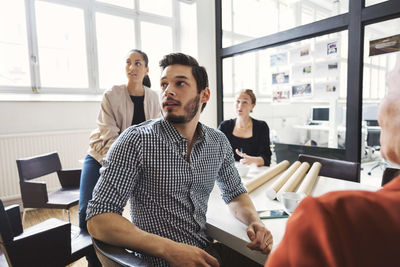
(384, 45)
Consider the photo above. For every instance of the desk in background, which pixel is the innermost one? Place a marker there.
(331, 129)
(224, 227)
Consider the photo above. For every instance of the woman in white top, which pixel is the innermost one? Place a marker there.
(121, 107)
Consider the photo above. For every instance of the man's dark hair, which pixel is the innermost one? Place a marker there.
(199, 72)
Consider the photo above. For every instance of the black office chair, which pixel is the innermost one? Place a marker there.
(374, 145)
(34, 193)
(49, 243)
(339, 169)
(389, 174)
(112, 256)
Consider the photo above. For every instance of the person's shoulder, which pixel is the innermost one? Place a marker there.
(259, 122)
(145, 128)
(226, 123)
(116, 90)
(150, 92)
(215, 135)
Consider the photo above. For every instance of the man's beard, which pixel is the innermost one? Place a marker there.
(190, 108)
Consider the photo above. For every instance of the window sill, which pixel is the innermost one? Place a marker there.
(49, 97)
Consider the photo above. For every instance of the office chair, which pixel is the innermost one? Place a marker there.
(373, 143)
(49, 243)
(389, 174)
(339, 169)
(34, 193)
(112, 256)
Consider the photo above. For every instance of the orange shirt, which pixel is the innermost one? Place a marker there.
(345, 228)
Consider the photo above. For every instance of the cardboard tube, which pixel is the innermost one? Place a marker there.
(294, 180)
(271, 191)
(308, 183)
(266, 176)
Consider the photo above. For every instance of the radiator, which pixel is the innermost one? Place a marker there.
(70, 145)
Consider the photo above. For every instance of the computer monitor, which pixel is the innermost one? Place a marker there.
(319, 114)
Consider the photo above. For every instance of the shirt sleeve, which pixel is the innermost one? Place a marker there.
(306, 241)
(118, 175)
(228, 178)
(107, 129)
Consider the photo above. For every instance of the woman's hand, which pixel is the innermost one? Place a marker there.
(248, 160)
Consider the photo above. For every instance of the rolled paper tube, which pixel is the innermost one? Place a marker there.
(310, 179)
(294, 180)
(271, 191)
(266, 175)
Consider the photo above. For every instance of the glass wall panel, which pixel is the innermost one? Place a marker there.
(246, 20)
(373, 2)
(295, 84)
(379, 58)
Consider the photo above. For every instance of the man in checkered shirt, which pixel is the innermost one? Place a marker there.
(167, 168)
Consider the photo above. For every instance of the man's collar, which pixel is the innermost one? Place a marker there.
(175, 136)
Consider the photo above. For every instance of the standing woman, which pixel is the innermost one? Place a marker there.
(121, 107)
(249, 137)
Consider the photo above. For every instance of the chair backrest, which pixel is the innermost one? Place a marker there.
(34, 167)
(6, 233)
(291, 152)
(389, 174)
(112, 256)
(339, 169)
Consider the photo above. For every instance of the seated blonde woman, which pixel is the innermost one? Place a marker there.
(249, 137)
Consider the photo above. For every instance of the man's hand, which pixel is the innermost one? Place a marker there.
(261, 238)
(186, 255)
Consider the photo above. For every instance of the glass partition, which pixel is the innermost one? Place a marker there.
(295, 85)
(246, 20)
(380, 55)
(373, 2)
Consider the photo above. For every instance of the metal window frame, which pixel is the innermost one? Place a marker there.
(354, 21)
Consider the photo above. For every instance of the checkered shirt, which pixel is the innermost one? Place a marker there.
(168, 195)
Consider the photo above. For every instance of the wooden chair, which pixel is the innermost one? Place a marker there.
(34, 193)
(389, 174)
(112, 256)
(50, 243)
(339, 169)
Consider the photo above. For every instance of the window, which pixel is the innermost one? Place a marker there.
(112, 47)
(79, 47)
(158, 46)
(14, 55)
(159, 7)
(61, 45)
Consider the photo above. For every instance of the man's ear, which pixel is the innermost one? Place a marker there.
(205, 95)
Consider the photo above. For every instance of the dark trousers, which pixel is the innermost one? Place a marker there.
(228, 257)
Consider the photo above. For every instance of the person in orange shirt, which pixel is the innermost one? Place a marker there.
(351, 228)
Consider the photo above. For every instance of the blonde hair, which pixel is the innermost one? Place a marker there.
(250, 93)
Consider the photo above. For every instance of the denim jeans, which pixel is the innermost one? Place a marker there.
(89, 177)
